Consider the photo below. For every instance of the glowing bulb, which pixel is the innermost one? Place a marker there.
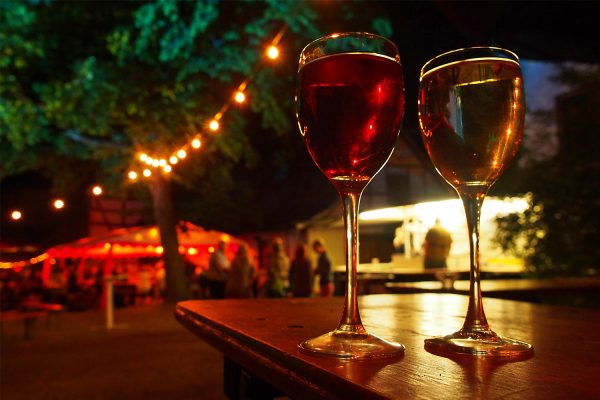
(97, 190)
(149, 160)
(155, 163)
(272, 52)
(167, 168)
(58, 204)
(239, 97)
(181, 154)
(132, 175)
(143, 157)
(196, 143)
(173, 160)
(162, 162)
(213, 125)
(16, 215)
(147, 173)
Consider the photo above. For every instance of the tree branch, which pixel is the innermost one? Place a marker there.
(94, 142)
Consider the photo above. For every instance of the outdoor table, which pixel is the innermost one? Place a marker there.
(504, 288)
(261, 337)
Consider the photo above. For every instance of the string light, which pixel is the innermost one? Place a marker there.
(272, 52)
(97, 190)
(16, 215)
(213, 125)
(132, 175)
(59, 204)
(239, 97)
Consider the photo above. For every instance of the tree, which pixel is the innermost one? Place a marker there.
(96, 83)
(558, 233)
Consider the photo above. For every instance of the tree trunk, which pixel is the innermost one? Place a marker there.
(164, 214)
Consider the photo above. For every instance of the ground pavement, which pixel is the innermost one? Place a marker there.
(148, 355)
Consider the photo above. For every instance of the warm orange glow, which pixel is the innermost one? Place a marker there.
(16, 215)
(132, 175)
(211, 249)
(149, 160)
(143, 157)
(181, 154)
(58, 204)
(167, 169)
(196, 143)
(272, 52)
(192, 251)
(213, 125)
(155, 163)
(147, 173)
(107, 246)
(239, 97)
(97, 190)
(173, 160)
(153, 233)
(159, 250)
(162, 162)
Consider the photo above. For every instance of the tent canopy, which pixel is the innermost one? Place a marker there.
(144, 241)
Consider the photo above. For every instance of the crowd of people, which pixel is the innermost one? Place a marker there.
(238, 278)
(79, 285)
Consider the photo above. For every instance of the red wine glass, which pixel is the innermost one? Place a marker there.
(350, 104)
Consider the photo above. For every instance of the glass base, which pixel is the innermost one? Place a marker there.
(351, 346)
(479, 343)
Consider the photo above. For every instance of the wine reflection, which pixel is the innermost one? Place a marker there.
(478, 372)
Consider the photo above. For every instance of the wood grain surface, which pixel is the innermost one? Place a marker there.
(262, 336)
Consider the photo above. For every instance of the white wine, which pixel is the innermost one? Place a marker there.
(471, 114)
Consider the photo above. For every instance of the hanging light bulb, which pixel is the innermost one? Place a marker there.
(97, 190)
(167, 168)
(147, 173)
(173, 160)
(239, 97)
(155, 163)
(213, 125)
(143, 157)
(58, 204)
(132, 175)
(181, 154)
(162, 162)
(272, 52)
(16, 215)
(196, 143)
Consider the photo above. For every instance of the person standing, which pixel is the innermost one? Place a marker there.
(301, 281)
(436, 246)
(324, 269)
(277, 270)
(239, 278)
(218, 266)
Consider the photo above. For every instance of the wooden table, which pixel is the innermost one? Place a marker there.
(261, 337)
(529, 289)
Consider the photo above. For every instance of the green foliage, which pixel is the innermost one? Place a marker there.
(99, 81)
(558, 234)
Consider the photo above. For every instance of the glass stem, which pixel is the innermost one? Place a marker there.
(475, 319)
(350, 321)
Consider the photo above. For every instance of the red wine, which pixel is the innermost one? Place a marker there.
(350, 109)
(471, 116)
